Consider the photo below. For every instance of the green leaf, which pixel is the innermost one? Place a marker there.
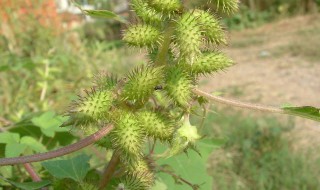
(191, 167)
(14, 149)
(75, 168)
(7, 137)
(104, 14)
(33, 144)
(29, 185)
(49, 123)
(306, 112)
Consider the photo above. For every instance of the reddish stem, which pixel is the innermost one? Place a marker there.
(109, 171)
(59, 152)
(33, 174)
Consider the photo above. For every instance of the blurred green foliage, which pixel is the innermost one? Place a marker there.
(253, 13)
(256, 156)
(40, 70)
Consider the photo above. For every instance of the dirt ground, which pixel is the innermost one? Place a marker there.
(276, 64)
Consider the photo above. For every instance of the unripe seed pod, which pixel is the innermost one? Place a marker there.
(141, 83)
(211, 27)
(105, 81)
(90, 108)
(139, 167)
(88, 186)
(96, 104)
(138, 181)
(127, 138)
(145, 12)
(188, 36)
(167, 6)
(142, 35)
(228, 6)
(210, 63)
(178, 85)
(156, 126)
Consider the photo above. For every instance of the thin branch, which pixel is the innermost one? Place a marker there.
(109, 171)
(193, 186)
(33, 174)
(153, 147)
(204, 115)
(237, 103)
(59, 152)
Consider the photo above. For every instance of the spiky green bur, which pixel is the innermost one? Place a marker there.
(188, 36)
(87, 186)
(145, 12)
(127, 138)
(210, 63)
(166, 6)
(185, 137)
(178, 85)
(91, 108)
(138, 181)
(141, 83)
(140, 166)
(228, 6)
(142, 35)
(104, 81)
(156, 126)
(211, 27)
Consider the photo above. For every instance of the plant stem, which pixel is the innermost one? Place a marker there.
(193, 186)
(162, 55)
(153, 147)
(33, 174)
(45, 86)
(236, 103)
(204, 116)
(59, 152)
(109, 171)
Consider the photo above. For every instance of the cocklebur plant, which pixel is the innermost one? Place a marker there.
(152, 104)
(179, 42)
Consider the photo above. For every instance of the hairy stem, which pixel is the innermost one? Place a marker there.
(236, 103)
(59, 152)
(109, 171)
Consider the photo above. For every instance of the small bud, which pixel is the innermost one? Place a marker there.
(141, 83)
(142, 35)
(185, 137)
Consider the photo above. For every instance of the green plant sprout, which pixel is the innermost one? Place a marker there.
(153, 102)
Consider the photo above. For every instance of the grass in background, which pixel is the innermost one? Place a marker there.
(305, 45)
(256, 156)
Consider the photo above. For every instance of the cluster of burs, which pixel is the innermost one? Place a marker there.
(153, 101)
